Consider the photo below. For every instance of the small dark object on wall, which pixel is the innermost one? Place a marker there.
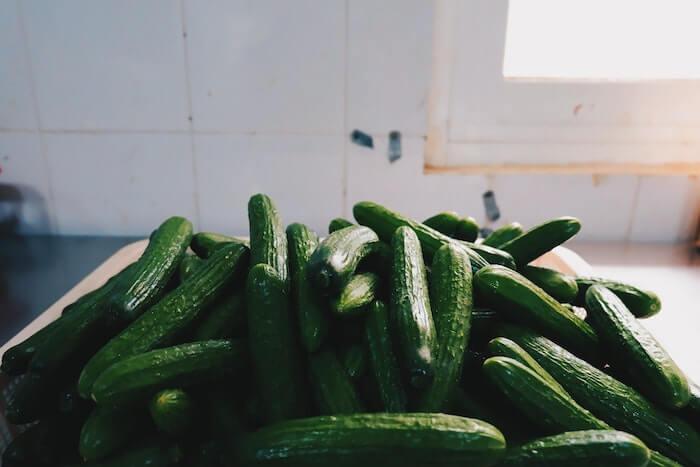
(362, 139)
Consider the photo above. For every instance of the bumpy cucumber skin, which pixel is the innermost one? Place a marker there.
(268, 240)
(204, 244)
(385, 367)
(540, 239)
(313, 322)
(659, 460)
(411, 309)
(503, 235)
(467, 229)
(188, 264)
(586, 448)
(166, 320)
(106, 430)
(273, 345)
(376, 439)
(642, 303)
(519, 299)
(337, 224)
(610, 400)
(451, 292)
(444, 222)
(333, 390)
(560, 286)
(100, 294)
(359, 292)
(171, 411)
(632, 347)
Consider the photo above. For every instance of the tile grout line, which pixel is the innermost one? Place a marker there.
(344, 183)
(633, 214)
(53, 217)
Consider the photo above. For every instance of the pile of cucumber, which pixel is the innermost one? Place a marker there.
(389, 342)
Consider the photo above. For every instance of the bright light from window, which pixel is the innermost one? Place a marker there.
(603, 39)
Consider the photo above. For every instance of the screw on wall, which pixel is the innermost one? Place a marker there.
(361, 139)
(394, 146)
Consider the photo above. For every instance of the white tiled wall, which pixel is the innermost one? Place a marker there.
(115, 114)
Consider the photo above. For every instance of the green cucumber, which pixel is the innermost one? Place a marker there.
(444, 222)
(171, 411)
(384, 222)
(337, 224)
(492, 255)
(333, 390)
(610, 400)
(188, 264)
(633, 348)
(586, 448)
(268, 241)
(107, 430)
(335, 259)
(313, 322)
(451, 292)
(410, 307)
(467, 229)
(15, 360)
(642, 303)
(519, 299)
(204, 244)
(691, 412)
(560, 286)
(150, 455)
(170, 317)
(659, 460)
(152, 271)
(376, 439)
(359, 292)
(385, 367)
(276, 361)
(354, 358)
(226, 318)
(139, 376)
(540, 239)
(503, 235)
(100, 294)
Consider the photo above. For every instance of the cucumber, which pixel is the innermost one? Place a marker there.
(691, 412)
(335, 259)
(152, 271)
(337, 224)
(610, 400)
(273, 345)
(540, 239)
(204, 244)
(376, 439)
(451, 292)
(586, 448)
(503, 235)
(492, 255)
(482, 324)
(313, 322)
(15, 360)
(188, 264)
(226, 318)
(140, 376)
(385, 367)
(226, 421)
(359, 292)
(171, 411)
(444, 222)
(384, 222)
(519, 299)
(560, 286)
(467, 229)
(107, 430)
(170, 317)
(355, 361)
(101, 293)
(149, 455)
(410, 307)
(642, 303)
(333, 391)
(659, 460)
(633, 348)
(268, 241)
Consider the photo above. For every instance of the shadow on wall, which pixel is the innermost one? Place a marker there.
(23, 209)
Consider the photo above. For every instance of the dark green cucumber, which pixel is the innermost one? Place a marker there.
(204, 244)
(503, 235)
(610, 400)
(101, 293)
(467, 229)
(492, 255)
(444, 222)
(274, 353)
(226, 318)
(410, 307)
(540, 239)
(188, 264)
(691, 412)
(171, 411)
(313, 322)
(149, 455)
(376, 439)
(226, 421)
(642, 303)
(385, 367)
(268, 241)
(170, 317)
(560, 286)
(152, 271)
(335, 259)
(519, 299)
(659, 460)
(337, 224)
(354, 358)
(384, 222)
(632, 347)
(482, 324)
(107, 430)
(586, 448)
(334, 392)
(15, 360)
(451, 292)
(359, 292)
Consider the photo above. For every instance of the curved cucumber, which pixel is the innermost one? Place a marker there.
(633, 348)
(171, 411)
(337, 224)
(359, 292)
(467, 229)
(333, 391)
(642, 303)
(444, 222)
(106, 430)
(268, 240)
(540, 239)
(204, 244)
(503, 235)
(561, 287)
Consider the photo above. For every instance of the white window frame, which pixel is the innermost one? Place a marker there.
(486, 123)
